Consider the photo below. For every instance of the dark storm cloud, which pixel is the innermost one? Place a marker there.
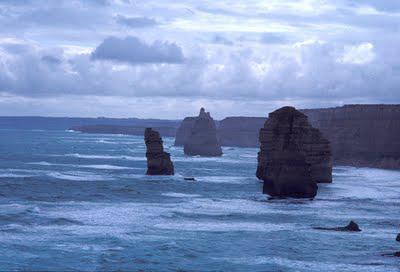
(136, 22)
(238, 52)
(133, 50)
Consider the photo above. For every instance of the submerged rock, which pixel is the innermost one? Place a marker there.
(352, 226)
(158, 161)
(189, 178)
(203, 140)
(398, 237)
(293, 155)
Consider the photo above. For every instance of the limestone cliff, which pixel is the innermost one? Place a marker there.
(361, 135)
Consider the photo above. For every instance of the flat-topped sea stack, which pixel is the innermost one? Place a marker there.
(158, 161)
(293, 155)
(203, 140)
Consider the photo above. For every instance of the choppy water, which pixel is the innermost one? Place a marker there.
(70, 201)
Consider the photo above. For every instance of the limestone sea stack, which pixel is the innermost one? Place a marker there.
(203, 139)
(158, 161)
(293, 155)
(184, 131)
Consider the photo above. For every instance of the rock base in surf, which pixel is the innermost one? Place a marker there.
(158, 161)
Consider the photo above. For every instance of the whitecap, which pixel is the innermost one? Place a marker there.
(78, 176)
(13, 175)
(104, 167)
(225, 179)
(218, 226)
(106, 157)
(180, 195)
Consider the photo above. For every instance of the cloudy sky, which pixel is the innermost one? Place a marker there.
(166, 58)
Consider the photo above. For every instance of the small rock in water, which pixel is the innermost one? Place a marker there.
(189, 178)
(398, 237)
(397, 254)
(352, 226)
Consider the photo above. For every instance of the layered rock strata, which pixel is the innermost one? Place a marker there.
(293, 155)
(158, 161)
(202, 139)
(361, 135)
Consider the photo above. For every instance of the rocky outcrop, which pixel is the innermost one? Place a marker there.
(361, 135)
(240, 131)
(293, 155)
(203, 140)
(158, 161)
(352, 227)
(184, 131)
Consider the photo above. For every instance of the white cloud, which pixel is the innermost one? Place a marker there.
(358, 54)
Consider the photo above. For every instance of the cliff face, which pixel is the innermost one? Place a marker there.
(293, 155)
(240, 131)
(158, 161)
(184, 131)
(203, 137)
(361, 135)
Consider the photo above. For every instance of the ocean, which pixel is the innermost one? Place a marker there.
(81, 202)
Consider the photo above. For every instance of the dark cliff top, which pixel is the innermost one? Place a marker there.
(285, 112)
(358, 106)
(243, 118)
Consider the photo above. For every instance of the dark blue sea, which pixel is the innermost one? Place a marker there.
(79, 202)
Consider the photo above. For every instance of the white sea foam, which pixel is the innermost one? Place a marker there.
(43, 163)
(297, 265)
(93, 166)
(224, 179)
(78, 176)
(218, 226)
(104, 166)
(13, 175)
(106, 157)
(180, 195)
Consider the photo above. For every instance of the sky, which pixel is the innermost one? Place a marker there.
(167, 58)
